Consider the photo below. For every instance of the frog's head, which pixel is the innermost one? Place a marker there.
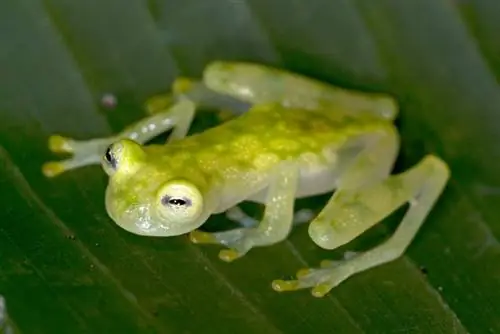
(145, 199)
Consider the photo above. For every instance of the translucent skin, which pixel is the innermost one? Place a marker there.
(230, 161)
(299, 137)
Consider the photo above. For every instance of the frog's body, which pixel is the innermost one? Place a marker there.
(299, 138)
(249, 147)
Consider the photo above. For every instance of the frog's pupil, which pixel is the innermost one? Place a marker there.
(177, 201)
(110, 158)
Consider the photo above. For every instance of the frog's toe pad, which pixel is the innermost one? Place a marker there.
(60, 144)
(200, 237)
(237, 241)
(158, 103)
(87, 152)
(52, 168)
(321, 280)
(229, 255)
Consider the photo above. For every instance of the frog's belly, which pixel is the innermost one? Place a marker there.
(313, 181)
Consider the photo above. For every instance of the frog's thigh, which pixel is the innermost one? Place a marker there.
(276, 222)
(259, 83)
(353, 211)
(370, 166)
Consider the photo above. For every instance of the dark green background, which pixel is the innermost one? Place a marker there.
(66, 268)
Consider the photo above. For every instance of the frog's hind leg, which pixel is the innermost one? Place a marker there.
(261, 84)
(197, 91)
(352, 211)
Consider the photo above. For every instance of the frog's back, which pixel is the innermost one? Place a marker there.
(245, 149)
(267, 134)
(290, 132)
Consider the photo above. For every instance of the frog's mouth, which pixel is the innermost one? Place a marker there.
(141, 221)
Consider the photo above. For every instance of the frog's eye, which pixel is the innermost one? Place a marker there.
(109, 157)
(180, 202)
(122, 156)
(109, 160)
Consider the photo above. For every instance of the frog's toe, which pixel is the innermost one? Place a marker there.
(60, 144)
(229, 255)
(84, 153)
(320, 280)
(200, 237)
(237, 241)
(53, 168)
(158, 103)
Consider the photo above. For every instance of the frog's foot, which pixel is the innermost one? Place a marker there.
(330, 274)
(420, 186)
(84, 153)
(241, 240)
(237, 215)
(238, 241)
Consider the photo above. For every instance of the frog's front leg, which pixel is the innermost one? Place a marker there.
(350, 212)
(166, 111)
(276, 223)
(90, 152)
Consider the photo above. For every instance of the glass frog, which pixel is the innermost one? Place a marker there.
(293, 137)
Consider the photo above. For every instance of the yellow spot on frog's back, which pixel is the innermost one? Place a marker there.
(178, 159)
(284, 145)
(319, 125)
(246, 142)
(243, 156)
(265, 160)
(208, 160)
(309, 143)
(219, 147)
(285, 127)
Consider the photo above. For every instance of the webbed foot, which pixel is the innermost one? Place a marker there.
(329, 275)
(238, 241)
(84, 153)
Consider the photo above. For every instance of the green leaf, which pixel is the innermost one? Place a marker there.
(65, 267)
